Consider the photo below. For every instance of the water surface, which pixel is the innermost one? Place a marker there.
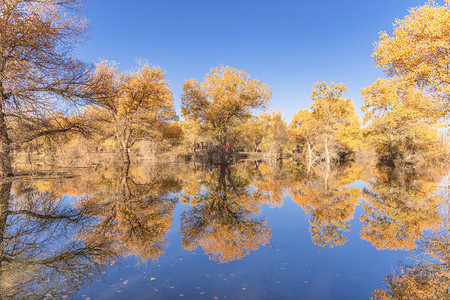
(252, 230)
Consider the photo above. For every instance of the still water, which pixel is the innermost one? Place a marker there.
(252, 230)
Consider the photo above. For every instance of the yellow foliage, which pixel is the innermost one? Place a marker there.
(224, 100)
(139, 104)
(418, 51)
(400, 119)
(331, 126)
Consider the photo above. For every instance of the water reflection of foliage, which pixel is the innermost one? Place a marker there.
(135, 213)
(223, 219)
(46, 247)
(428, 277)
(270, 182)
(399, 205)
(325, 195)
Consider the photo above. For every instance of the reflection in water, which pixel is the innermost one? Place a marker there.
(270, 182)
(55, 244)
(428, 277)
(326, 196)
(399, 206)
(135, 215)
(223, 218)
(45, 246)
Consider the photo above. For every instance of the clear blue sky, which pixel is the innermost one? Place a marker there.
(287, 44)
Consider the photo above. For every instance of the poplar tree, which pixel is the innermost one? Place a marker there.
(36, 67)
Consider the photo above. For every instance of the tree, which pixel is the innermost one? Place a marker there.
(251, 133)
(340, 130)
(400, 120)
(419, 51)
(138, 104)
(303, 128)
(275, 137)
(223, 101)
(36, 69)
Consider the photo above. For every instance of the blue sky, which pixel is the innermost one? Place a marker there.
(287, 44)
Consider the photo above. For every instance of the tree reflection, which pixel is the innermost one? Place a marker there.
(223, 219)
(399, 205)
(270, 182)
(44, 245)
(326, 196)
(428, 277)
(135, 213)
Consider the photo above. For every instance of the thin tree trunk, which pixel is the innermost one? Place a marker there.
(327, 153)
(5, 191)
(309, 150)
(5, 159)
(122, 139)
(123, 188)
(125, 155)
(308, 165)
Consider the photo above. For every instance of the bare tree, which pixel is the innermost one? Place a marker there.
(36, 68)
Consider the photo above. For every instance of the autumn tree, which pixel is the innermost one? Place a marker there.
(266, 130)
(331, 125)
(303, 129)
(340, 128)
(275, 134)
(250, 133)
(418, 52)
(138, 104)
(224, 100)
(36, 68)
(400, 120)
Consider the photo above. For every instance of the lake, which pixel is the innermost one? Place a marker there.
(251, 230)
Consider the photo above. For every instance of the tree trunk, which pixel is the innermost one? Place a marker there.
(5, 190)
(123, 136)
(327, 153)
(125, 155)
(309, 150)
(5, 159)
(123, 188)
